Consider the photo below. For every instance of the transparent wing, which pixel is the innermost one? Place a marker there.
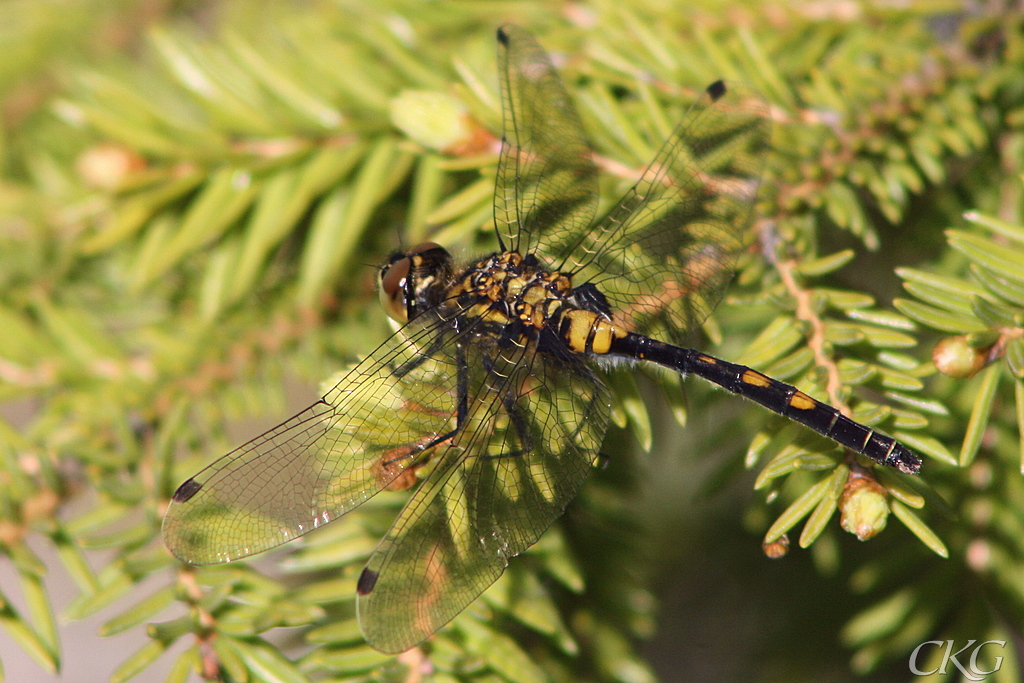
(547, 180)
(665, 253)
(493, 492)
(359, 438)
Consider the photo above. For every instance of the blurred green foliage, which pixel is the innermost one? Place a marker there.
(189, 193)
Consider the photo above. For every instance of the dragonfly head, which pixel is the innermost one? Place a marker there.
(414, 281)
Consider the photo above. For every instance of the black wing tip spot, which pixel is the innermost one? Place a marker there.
(367, 580)
(503, 35)
(716, 90)
(188, 489)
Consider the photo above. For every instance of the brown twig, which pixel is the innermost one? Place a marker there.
(816, 340)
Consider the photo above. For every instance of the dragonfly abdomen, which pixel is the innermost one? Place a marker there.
(779, 397)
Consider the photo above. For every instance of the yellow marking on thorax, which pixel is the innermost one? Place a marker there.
(515, 286)
(485, 311)
(535, 294)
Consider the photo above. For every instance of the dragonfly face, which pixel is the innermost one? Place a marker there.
(491, 377)
(414, 281)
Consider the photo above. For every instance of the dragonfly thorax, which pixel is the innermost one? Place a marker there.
(516, 299)
(508, 295)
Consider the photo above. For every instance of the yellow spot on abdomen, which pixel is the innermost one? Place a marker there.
(580, 323)
(604, 334)
(602, 340)
(755, 378)
(802, 401)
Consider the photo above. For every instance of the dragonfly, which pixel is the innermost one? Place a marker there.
(489, 402)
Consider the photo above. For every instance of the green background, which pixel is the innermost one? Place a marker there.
(193, 198)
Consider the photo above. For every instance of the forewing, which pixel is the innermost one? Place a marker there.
(524, 453)
(359, 438)
(665, 253)
(547, 180)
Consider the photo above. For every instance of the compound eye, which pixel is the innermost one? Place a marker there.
(423, 247)
(393, 279)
